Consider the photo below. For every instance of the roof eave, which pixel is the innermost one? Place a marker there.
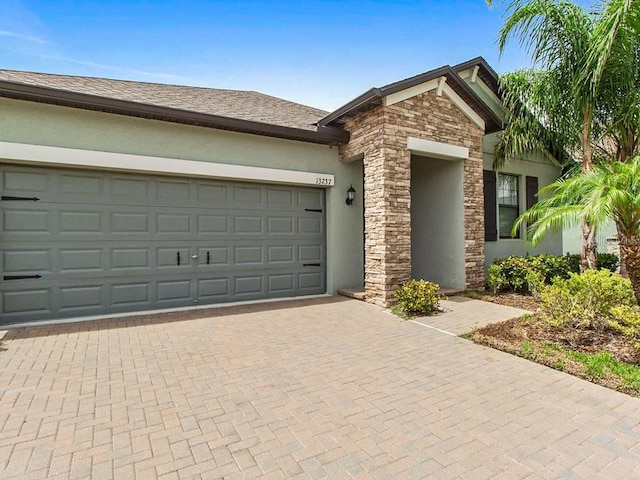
(34, 93)
(493, 123)
(374, 96)
(488, 74)
(369, 97)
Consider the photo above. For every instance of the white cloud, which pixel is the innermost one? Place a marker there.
(28, 38)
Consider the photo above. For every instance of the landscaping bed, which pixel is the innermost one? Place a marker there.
(603, 357)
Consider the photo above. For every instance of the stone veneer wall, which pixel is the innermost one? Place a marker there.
(381, 135)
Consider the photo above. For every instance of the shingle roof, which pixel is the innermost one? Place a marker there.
(244, 105)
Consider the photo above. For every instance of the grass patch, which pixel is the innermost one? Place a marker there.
(599, 357)
(602, 365)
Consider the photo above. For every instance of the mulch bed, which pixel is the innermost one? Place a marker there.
(530, 337)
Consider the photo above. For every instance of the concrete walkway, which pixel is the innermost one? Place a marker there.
(323, 388)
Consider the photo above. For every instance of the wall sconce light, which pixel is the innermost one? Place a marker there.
(351, 195)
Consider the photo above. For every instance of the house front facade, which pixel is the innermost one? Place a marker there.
(124, 197)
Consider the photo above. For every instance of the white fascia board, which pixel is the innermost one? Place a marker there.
(464, 106)
(433, 149)
(410, 92)
(71, 157)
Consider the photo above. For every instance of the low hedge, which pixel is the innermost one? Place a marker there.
(530, 273)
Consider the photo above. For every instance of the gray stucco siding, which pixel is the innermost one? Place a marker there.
(534, 166)
(48, 125)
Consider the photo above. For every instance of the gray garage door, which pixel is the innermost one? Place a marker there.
(96, 242)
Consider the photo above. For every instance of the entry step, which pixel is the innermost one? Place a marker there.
(357, 293)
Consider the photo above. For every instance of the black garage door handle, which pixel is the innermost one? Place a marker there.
(20, 277)
(310, 264)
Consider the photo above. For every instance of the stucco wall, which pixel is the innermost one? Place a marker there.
(531, 165)
(437, 221)
(40, 124)
(571, 237)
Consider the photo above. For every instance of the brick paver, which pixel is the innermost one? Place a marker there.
(324, 388)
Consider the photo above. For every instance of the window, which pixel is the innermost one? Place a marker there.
(508, 204)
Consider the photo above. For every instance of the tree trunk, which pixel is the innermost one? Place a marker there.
(630, 252)
(588, 247)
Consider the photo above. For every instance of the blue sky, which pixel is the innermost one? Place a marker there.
(321, 53)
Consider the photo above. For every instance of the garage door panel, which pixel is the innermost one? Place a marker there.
(174, 291)
(310, 253)
(172, 257)
(25, 221)
(26, 261)
(249, 285)
(27, 302)
(131, 295)
(79, 222)
(249, 256)
(214, 224)
(252, 225)
(213, 193)
(82, 299)
(246, 195)
(282, 283)
(176, 192)
(280, 254)
(281, 197)
(81, 185)
(280, 225)
(129, 190)
(311, 198)
(100, 242)
(135, 223)
(171, 224)
(212, 289)
(310, 281)
(130, 258)
(213, 256)
(80, 260)
(310, 226)
(19, 180)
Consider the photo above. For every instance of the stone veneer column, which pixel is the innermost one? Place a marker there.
(381, 135)
(387, 220)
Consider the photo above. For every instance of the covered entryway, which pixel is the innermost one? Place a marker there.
(437, 221)
(102, 242)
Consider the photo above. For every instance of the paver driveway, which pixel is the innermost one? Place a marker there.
(325, 388)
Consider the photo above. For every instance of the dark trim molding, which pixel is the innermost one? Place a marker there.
(373, 98)
(325, 135)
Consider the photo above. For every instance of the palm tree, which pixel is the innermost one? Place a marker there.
(613, 65)
(609, 190)
(552, 108)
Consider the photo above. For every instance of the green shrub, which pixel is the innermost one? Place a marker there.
(607, 261)
(509, 274)
(626, 320)
(418, 297)
(496, 279)
(585, 300)
(550, 266)
(527, 274)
